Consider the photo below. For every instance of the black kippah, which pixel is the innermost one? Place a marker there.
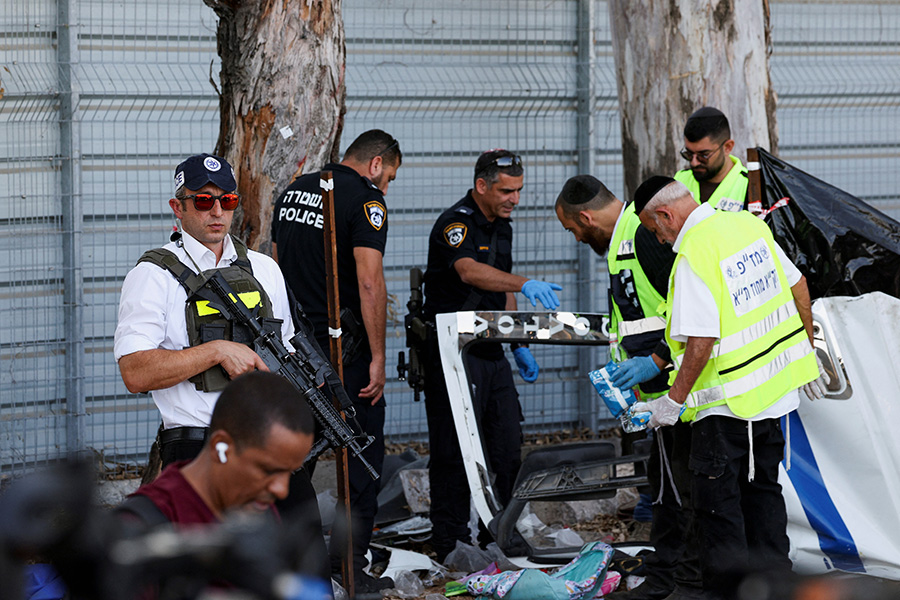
(705, 113)
(580, 189)
(648, 189)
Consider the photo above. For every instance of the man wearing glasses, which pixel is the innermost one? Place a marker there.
(361, 181)
(470, 268)
(715, 176)
(168, 340)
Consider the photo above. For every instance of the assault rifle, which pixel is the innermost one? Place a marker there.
(306, 369)
(416, 337)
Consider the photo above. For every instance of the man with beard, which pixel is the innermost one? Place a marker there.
(715, 176)
(360, 182)
(639, 267)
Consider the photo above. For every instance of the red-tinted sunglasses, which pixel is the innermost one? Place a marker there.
(204, 202)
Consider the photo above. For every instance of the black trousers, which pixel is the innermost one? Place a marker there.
(363, 489)
(674, 559)
(742, 524)
(499, 415)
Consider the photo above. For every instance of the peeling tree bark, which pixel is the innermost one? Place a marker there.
(675, 56)
(282, 66)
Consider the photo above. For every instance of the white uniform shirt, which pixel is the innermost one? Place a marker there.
(695, 313)
(151, 316)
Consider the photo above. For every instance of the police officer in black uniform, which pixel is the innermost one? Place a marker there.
(360, 216)
(470, 268)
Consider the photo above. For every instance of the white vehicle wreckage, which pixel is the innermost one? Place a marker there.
(840, 476)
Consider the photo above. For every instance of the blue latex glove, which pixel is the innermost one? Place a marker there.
(536, 290)
(528, 367)
(633, 372)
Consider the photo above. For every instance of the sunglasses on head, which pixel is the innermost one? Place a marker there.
(507, 161)
(204, 202)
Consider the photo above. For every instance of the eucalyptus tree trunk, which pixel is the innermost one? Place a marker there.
(675, 56)
(282, 98)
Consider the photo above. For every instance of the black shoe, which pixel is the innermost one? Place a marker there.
(649, 590)
(366, 584)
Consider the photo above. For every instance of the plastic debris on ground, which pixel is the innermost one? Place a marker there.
(406, 585)
(503, 563)
(339, 592)
(411, 526)
(467, 558)
(407, 560)
(395, 495)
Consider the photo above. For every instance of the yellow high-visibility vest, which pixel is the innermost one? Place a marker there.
(731, 192)
(763, 351)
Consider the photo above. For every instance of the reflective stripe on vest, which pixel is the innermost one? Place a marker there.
(763, 352)
(250, 299)
(640, 326)
(731, 191)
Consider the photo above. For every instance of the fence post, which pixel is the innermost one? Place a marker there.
(587, 260)
(72, 222)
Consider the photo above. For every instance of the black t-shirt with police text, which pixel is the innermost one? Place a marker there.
(360, 220)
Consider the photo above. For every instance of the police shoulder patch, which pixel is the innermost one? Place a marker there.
(455, 234)
(375, 213)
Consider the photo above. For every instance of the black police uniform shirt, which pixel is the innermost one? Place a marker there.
(463, 231)
(360, 220)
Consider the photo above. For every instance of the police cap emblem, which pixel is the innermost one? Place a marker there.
(211, 164)
(375, 213)
(455, 234)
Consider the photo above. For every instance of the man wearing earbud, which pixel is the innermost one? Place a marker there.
(171, 342)
(260, 432)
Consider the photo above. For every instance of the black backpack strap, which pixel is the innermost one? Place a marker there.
(143, 508)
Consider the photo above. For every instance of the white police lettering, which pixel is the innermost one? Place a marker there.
(305, 198)
(751, 277)
(211, 164)
(730, 205)
(303, 216)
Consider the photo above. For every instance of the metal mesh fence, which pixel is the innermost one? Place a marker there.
(100, 100)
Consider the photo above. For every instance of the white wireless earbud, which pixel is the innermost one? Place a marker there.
(221, 447)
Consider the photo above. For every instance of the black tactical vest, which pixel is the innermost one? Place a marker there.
(205, 323)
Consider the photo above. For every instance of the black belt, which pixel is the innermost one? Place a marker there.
(183, 434)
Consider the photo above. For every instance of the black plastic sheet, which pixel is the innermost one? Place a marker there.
(842, 245)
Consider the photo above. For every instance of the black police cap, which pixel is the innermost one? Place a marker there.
(200, 169)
